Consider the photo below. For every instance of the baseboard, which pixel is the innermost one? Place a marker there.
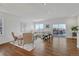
(5, 42)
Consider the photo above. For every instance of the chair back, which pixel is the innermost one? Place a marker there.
(14, 36)
(27, 37)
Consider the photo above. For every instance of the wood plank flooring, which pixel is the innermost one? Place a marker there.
(56, 47)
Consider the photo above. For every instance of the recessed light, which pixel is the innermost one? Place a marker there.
(37, 20)
(45, 4)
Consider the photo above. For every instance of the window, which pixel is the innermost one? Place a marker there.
(39, 26)
(62, 26)
(36, 26)
(1, 28)
(55, 26)
(59, 29)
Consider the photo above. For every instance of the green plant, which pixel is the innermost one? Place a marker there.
(74, 28)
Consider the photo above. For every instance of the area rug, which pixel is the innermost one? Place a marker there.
(27, 47)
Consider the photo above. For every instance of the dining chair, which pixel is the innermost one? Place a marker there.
(17, 38)
(28, 38)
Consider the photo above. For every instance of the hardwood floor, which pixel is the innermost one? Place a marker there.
(57, 47)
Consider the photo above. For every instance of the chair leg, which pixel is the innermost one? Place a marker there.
(18, 42)
(33, 44)
(21, 42)
(13, 41)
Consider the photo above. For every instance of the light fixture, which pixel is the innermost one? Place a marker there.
(44, 4)
(38, 20)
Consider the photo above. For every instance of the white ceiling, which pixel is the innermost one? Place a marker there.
(40, 11)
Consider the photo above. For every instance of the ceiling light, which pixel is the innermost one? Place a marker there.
(44, 4)
(38, 20)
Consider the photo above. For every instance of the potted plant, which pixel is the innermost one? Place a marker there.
(74, 30)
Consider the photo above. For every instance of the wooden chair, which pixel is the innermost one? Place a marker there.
(28, 38)
(16, 38)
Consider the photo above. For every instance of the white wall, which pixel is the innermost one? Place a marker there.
(29, 24)
(70, 22)
(11, 24)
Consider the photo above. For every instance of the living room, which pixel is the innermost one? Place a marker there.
(41, 20)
